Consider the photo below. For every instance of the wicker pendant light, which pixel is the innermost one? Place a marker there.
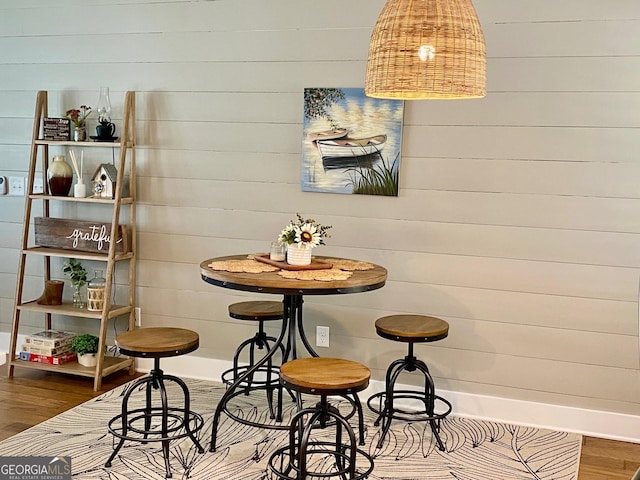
(427, 49)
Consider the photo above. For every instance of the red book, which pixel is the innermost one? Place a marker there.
(50, 359)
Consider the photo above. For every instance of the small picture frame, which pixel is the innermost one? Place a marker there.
(56, 129)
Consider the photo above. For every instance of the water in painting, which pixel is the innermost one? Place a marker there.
(351, 143)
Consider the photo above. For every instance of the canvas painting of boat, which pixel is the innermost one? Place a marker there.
(351, 143)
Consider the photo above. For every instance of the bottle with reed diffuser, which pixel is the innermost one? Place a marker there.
(79, 189)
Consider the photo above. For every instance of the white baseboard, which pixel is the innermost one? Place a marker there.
(594, 423)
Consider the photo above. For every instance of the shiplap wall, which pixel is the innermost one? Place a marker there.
(518, 215)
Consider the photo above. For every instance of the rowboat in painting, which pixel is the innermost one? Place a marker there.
(327, 134)
(351, 147)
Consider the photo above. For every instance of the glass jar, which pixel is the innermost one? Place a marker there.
(278, 251)
(95, 292)
(80, 133)
(59, 176)
(103, 106)
(78, 302)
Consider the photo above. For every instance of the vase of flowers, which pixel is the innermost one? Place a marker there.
(78, 117)
(302, 236)
(298, 255)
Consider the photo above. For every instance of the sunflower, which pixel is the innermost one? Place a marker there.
(308, 235)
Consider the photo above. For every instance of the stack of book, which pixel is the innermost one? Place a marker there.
(49, 346)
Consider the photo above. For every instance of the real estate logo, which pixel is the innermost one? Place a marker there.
(35, 468)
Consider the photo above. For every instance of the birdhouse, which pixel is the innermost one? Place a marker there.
(104, 181)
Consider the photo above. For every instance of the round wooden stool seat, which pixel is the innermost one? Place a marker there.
(325, 376)
(257, 310)
(157, 342)
(412, 328)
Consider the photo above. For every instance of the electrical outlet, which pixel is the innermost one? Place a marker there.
(16, 186)
(38, 186)
(322, 336)
(138, 314)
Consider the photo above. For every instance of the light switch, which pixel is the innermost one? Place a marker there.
(16, 186)
(38, 187)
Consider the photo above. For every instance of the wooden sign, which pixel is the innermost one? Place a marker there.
(78, 235)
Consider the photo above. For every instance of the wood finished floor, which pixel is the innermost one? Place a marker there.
(32, 397)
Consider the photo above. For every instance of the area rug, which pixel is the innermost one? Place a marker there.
(475, 450)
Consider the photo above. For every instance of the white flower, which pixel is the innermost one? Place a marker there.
(286, 233)
(307, 235)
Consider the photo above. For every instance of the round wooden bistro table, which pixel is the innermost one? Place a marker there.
(293, 290)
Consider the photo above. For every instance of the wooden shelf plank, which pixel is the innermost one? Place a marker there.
(110, 365)
(61, 252)
(67, 308)
(79, 144)
(106, 201)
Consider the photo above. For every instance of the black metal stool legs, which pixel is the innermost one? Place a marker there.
(291, 462)
(187, 411)
(238, 383)
(125, 426)
(387, 409)
(165, 424)
(269, 380)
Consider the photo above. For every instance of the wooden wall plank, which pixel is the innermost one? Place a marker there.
(182, 16)
(503, 11)
(522, 143)
(553, 109)
(592, 179)
(581, 38)
(573, 280)
(561, 245)
(501, 209)
(549, 74)
(478, 304)
(285, 45)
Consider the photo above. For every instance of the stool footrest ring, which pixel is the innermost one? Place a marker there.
(143, 435)
(228, 377)
(409, 415)
(292, 472)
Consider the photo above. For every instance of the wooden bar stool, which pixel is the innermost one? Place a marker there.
(410, 329)
(160, 423)
(323, 377)
(264, 378)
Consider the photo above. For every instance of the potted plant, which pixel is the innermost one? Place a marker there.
(86, 347)
(78, 117)
(301, 236)
(74, 270)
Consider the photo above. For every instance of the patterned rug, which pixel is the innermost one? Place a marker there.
(475, 450)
